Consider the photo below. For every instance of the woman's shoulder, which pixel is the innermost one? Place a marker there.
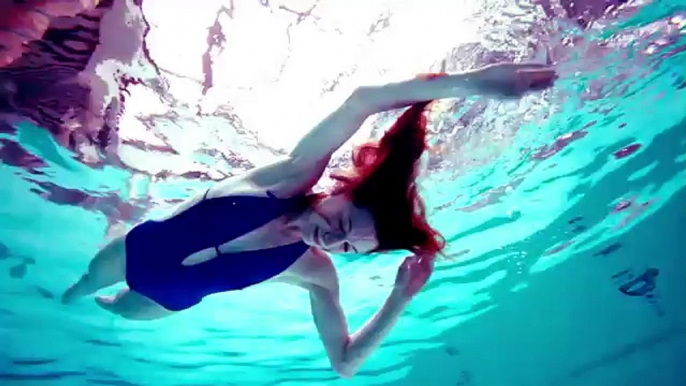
(284, 178)
(236, 186)
(314, 267)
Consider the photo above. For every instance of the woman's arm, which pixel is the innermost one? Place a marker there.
(331, 133)
(347, 352)
(502, 80)
(306, 163)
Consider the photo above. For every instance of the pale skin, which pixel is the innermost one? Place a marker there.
(333, 225)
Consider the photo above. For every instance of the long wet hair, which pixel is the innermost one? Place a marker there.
(382, 181)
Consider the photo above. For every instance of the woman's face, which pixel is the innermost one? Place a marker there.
(335, 225)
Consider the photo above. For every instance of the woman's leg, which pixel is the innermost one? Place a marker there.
(108, 267)
(132, 305)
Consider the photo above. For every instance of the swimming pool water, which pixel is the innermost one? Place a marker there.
(565, 214)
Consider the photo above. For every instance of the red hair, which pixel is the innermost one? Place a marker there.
(382, 181)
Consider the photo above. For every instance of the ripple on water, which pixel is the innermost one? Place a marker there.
(104, 343)
(33, 361)
(40, 376)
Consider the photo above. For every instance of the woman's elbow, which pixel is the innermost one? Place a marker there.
(344, 367)
(345, 370)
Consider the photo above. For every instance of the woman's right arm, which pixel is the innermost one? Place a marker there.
(500, 80)
(307, 161)
(347, 352)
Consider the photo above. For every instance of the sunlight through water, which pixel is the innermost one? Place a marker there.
(563, 210)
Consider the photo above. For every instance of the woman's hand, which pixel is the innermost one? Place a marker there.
(511, 79)
(412, 275)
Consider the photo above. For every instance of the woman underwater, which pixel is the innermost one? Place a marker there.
(267, 225)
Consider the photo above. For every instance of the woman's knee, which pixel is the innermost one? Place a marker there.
(132, 305)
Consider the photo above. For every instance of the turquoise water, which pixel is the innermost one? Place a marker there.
(566, 249)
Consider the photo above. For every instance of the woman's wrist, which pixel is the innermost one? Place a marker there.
(399, 297)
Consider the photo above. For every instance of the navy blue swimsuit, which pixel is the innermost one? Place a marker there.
(155, 250)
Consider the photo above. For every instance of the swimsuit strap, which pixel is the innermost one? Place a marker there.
(204, 197)
(216, 247)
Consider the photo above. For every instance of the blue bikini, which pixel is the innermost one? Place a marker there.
(155, 250)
